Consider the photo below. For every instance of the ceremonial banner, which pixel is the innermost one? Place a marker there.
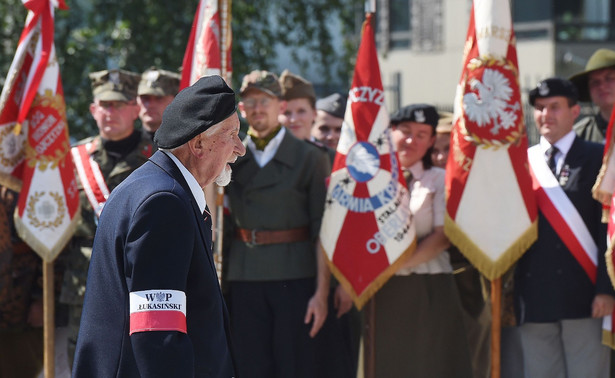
(367, 229)
(34, 144)
(491, 211)
(205, 54)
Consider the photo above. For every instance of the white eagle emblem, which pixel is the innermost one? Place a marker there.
(491, 103)
(363, 161)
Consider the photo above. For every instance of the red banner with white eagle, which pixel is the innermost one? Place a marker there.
(34, 144)
(491, 210)
(209, 47)
(367, 229)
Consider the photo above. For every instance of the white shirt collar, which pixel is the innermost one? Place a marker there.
(263, 157)
(417, 170)
(563, 144)
(195, 188)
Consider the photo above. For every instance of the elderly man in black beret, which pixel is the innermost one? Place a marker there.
(562, 290)
(153, 306)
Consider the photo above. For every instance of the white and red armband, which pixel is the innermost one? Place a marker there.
(157, 310)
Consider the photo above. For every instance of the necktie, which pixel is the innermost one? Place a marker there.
(408, 177)
(550, 155)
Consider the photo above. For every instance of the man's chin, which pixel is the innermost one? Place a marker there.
(224, 178)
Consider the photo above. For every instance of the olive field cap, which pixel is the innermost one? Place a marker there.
(157, 82)
(334, 104)
(114, 85)
(263, 81)
(553, 87)
(602, 58)
(294, 87)
(420, 113)
(195, 109)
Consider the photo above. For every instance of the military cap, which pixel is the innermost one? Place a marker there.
(420, 113)
(263, 81)
(334, 104)
(114, 85)
(195, 109)
(445, 123)
(602, 58)
(157, 82)
(294, 86)
(554, 86)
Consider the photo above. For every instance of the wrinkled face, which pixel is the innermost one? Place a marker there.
(327, 129)
(412, 140)
(115, 119)
(261, 111)
(602, 88)
(222, 146)
(439, 156)
(298, 117)
(554, 117)
(151, 109)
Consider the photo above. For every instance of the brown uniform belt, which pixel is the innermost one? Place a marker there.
(260, 237)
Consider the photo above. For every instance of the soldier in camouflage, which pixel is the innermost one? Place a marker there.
(157, 89)
(102, 162)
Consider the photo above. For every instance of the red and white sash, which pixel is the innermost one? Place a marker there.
(91, 177)
(561, 213)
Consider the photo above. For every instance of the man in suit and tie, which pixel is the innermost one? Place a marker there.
(562, 290)
(153, 306)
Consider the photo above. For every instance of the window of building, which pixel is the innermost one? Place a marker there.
(410, 24)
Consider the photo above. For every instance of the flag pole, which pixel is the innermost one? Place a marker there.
(224, 6)
(48, 321)
(496, 326)
(369, 335)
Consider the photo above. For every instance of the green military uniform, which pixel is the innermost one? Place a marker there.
(592, 128)
(116, 160)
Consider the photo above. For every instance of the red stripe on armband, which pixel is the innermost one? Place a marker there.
(157, 310)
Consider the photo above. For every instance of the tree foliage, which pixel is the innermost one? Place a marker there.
(134, 35)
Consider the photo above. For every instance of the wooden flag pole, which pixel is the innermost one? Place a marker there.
(496, 326)
(48, 320)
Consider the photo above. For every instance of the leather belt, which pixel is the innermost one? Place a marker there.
(262, 237)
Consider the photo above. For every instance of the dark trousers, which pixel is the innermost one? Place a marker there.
(269, 334)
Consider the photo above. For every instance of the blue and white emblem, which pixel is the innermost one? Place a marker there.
(363, 161)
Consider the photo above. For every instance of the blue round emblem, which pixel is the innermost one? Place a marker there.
(363, 161)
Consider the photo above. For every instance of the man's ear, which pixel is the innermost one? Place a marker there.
(196, 146)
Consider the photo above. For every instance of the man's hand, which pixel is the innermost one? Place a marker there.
(342, 301)
(316, 311)
(35, 314)
(603, 305)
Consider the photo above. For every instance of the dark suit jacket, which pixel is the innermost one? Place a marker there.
(550, 285)
(152, 236)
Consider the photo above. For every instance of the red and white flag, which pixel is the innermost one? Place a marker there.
(34, 144)
(491, 210)
(205, 54)
(367, 229)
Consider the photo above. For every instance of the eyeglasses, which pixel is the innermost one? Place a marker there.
(250, 103)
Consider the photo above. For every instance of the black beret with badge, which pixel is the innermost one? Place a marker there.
(552, 87)
(157, 82)
(334, 104)
(420, 113)
(195, 109)
(114, 85)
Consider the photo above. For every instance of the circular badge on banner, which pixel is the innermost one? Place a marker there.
(363, 161)
(491, 112)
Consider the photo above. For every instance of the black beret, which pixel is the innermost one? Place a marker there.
(420, 113)
(195, 109)
(334, 104)
(552, 87)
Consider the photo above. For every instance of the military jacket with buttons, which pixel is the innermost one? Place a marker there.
(78, 251)
(288, 192)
